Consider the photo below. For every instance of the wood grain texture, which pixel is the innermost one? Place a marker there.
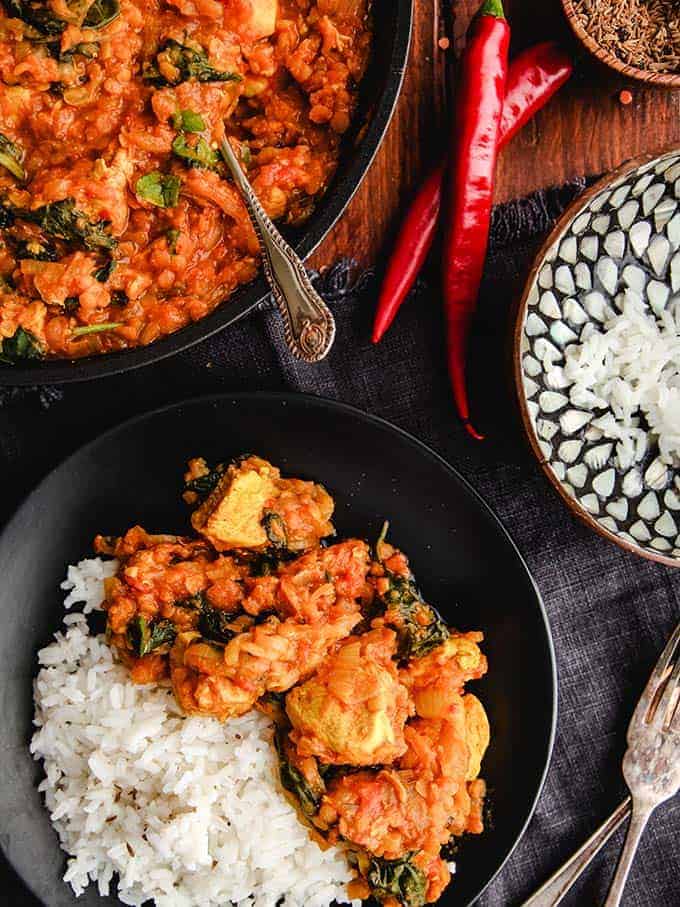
(584, 130)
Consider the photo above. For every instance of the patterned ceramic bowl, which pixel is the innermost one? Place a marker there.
(623, 233)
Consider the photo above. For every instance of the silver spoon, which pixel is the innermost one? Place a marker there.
(309, 326)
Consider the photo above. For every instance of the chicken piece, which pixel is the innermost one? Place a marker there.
(253, 508)
(477, 733)
(436, 680)
(353, 710)
(226, 681)
(231, 516)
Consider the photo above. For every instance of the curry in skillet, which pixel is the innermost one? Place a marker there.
(379, 743)
(118, 223)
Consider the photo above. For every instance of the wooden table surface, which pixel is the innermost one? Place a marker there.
(584, 130)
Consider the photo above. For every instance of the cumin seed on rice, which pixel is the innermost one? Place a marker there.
(641, 33)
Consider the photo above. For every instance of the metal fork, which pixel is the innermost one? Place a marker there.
(651, 768)
(651, 765)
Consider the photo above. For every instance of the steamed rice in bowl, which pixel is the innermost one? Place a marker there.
(184, 810)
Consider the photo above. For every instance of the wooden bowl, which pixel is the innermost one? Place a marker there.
(625, 220)
(660, 79)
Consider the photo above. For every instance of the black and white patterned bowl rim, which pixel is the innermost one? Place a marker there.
(626, 234)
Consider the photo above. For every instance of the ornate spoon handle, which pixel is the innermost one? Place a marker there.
(309, 326)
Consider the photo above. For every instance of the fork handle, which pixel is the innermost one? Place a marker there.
(557, 886)
(638, 823)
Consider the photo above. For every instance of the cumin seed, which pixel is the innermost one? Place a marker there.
(641, 33)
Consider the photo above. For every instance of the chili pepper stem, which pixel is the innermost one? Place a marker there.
(492, 8)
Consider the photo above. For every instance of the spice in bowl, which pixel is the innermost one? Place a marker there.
(641, 33)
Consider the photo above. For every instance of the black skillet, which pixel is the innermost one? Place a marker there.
(378, 95)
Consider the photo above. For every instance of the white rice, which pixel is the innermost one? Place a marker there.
(631, 368)
(186, 811)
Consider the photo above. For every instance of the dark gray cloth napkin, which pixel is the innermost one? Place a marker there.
(611, 612)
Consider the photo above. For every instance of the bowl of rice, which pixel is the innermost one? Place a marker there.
(597, 357)
(638, 38)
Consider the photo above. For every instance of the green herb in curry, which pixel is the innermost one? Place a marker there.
(43, 20)
(213, 624)
(293, 780)
(176, 63)
(36, 250)
(399, 879)
(62, 220)
(188, 121)
(205, 484)
(196, 152)
(11, 157)
(21, 346)
(159, 189)
(275, 528)
(145, 636)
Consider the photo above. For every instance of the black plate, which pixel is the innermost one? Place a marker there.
(464, 560)
(378, 95)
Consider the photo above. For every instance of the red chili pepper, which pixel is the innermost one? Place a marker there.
(483, 73)
(533, 78)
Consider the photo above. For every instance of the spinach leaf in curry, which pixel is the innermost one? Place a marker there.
(101, 13)
(62, 220)
(188, 121)
(214, 624)
(21, 346)
(419, 628)
(275, 528)
(159, 189)
(177, 63)
(41, 17)
(293, 780)
(399, 879)
(146, 636)
(203, 485)
(36, 250)
(196, 152)
(11, 157)
(103, 273)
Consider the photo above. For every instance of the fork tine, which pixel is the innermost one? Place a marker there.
(657, 675)
(675, 718)
(662, 715)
